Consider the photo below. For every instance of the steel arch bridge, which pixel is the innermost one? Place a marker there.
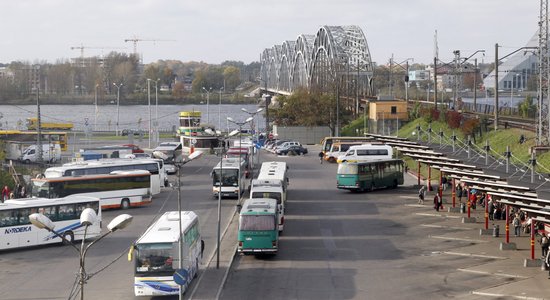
(320, 62)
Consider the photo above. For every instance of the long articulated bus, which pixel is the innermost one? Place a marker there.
(258, 231)
(327, 142)
(119, 189)
(232, 178)
(366, 176)
(156, 254)
(17, 230)
(106, 166)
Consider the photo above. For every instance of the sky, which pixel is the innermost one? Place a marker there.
(214, 31)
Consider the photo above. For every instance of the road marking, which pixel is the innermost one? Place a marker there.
(474, 255)
(438, 215)
(456, 239)
(441, 226)
(504, 296)
(493, 273)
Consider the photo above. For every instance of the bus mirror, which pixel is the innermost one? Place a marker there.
(131, 253)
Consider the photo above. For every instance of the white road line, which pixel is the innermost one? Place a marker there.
(504, 296)
(438, 215)
(494, 274)
(474, 255)
(456, 239)
(441, 226)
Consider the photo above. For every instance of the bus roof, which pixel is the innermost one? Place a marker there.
(372, 161)
(18, 203)
(166, 228)
(229, 163)
(113, 174)
(259, 206)
(273, 170)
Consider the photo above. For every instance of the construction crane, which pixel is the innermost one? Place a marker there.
(543, 131)
(135, 40)
(82, 47)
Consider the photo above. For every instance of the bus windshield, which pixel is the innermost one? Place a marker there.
(154, 258)
(255, 222)
(230, 177)
(347, 169)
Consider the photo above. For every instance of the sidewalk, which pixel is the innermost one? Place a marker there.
(211, 280)
(526, 282)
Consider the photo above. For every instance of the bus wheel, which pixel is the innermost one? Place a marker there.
(371, 187)
(394, 184)
(196, 268)
(332, 160)
(125, 204)
(68, 238)
(27, 161)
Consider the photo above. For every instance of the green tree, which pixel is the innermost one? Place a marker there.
(232, 77)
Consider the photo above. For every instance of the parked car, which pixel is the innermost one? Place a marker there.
(170, 169)
(134, 131)
(296, 149)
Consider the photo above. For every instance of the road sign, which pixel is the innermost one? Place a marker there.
(181, 276)
(193, 141)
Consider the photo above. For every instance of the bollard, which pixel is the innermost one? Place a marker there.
(462, 208)
(495, 230)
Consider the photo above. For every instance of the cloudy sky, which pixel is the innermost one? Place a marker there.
(217, 30)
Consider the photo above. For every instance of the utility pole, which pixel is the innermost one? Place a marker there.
(457, 59)
(435, 82)
(496, 86)
(475, 83)
(38, 125)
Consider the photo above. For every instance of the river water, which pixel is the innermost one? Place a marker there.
(130, 116)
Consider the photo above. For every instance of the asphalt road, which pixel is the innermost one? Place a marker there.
(342, 245)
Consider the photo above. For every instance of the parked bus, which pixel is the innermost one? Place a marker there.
(64, 212)
(244, 153)
(272, 189)
(337, 149)
(51, 137)
(366, 152)
(118, 189)
(258, 231)
(156, 254)
(106, 166)
(327, 142)
(366, 176)
(275, 170)
(232, 177)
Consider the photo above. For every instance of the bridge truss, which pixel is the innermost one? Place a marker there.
(336, 58)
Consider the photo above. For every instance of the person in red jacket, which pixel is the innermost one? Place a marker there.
(5, 193)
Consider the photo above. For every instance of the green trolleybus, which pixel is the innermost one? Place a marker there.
(258, 230)
(368, 175)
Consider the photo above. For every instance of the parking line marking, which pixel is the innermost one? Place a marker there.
(474, 255)
(504, 296)
(494, 274)
(456, 239)
(441, 226)
(438, 215)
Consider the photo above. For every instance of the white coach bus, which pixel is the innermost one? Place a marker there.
(156, 254)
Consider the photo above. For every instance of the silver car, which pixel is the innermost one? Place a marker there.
(170, 169)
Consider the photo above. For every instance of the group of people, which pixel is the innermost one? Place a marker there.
(18, 192)
(438, 201)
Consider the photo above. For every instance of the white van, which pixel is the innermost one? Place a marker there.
(367, 152)
(50, 153)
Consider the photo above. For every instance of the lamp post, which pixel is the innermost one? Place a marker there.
(256, 135)
(87, 218)
(207, 103)
(223, 139)
(149, 103)
(512, 90)
(240, 124)
(220, 110)
(156, 124)
(95, 103)
(179, 164)
(118, 86)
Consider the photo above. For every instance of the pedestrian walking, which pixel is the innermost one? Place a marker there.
(491, 209)
(5, 193)
(437, 202)
(544, 243)
(421, 194)
(517, 225)
(321, 156)
(444, 183)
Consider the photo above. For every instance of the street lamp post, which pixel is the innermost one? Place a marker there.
(255, 130)
(95, 103)
(223, 139)
(118, 86)
(149, 103)
(87, 218)
(240, 124)
(156, 124)
(207, 103)
(220, 110)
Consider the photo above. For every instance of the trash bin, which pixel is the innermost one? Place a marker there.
(462, 208)
(495, 230)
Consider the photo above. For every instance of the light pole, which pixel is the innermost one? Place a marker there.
(220, 110)
(223, 139)
(118, 86)
(149, 102)
(156, 124)
(95, 103)
(207, 103)
(512, 90)
(256, 136)
(87, 218)
(179, 164)
(240, 124)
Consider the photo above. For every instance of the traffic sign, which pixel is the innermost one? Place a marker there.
(193, 141)
(181, 276)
